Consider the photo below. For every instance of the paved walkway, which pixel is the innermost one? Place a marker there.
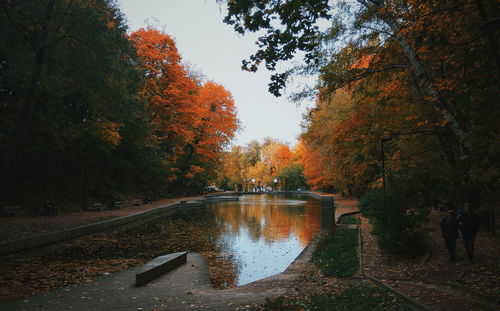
(185, 288)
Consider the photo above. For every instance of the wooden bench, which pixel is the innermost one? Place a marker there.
(13, 211)
(137, 202)
(117, 205)
(97, 207)
(50, 209)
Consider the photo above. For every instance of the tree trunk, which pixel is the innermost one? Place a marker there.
(423, 79)
(490, 34)
(40, 53)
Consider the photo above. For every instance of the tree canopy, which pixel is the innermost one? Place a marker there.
(267, 165)
(417, 76)
(90, 112)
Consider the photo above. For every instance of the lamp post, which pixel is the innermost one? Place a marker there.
(253, 184)
(382, 141)
(275, 184)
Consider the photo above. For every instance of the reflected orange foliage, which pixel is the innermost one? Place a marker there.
(273, 222)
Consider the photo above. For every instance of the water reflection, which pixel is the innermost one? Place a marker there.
(242, 241)
(264, 233)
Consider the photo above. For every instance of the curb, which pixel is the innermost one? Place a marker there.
(413, 304)
(347, 214)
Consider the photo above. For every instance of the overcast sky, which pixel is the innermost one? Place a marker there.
(217, 50)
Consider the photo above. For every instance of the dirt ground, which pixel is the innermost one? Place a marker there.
(433, 280)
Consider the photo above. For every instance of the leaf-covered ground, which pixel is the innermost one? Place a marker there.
(434, 280)
(41, 270)
(12, 228)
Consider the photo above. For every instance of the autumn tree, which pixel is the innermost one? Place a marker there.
(425, 48)
(169, 94)
(214, 130)
(273, 160)
(233, 168)
(193, 121)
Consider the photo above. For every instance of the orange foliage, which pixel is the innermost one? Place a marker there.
(167, 89)
(218, 122)
(191, 122)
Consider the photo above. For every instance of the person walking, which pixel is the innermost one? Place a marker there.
(449, 231)
(468, 222)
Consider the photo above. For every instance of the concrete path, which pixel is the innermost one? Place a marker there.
(185, 288)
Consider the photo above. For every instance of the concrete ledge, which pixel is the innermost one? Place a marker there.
(159, 266)
(325, 199)
(339, 217)
(215, 199)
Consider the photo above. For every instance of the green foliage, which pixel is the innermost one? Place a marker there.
(337, 253)
(359, 298)
(74, 122)
(349, 220)
(399, 226)
(425, 74)
(70, 119)
(293, 176)
(300, 31)
(226, 184)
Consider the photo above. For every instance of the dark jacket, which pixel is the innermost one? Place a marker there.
(449, 227)
(468, 222)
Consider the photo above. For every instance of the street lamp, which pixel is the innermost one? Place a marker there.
(382, 141)
(253, 184)
(275, 184)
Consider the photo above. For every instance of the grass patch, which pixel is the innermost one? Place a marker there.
(349, 220)
(337, 253)
(358, 298)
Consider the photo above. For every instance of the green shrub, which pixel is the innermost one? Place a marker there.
(349, 220)
(400, 229)
(336, 254)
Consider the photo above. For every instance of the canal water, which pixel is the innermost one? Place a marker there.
(243, 241)
(263, 234)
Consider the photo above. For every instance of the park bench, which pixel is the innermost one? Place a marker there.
(97, 207)
(137, 202)
(12, 211)
(117, 205)
(50, 208)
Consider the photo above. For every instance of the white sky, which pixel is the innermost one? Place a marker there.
(214, 48)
